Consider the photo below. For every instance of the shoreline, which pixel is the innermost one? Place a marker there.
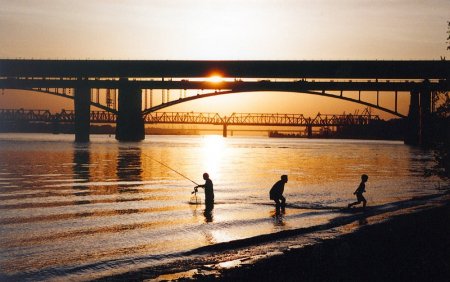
(405, 243)
(407, 247)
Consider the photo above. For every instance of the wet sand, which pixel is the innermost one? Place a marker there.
(410, 247)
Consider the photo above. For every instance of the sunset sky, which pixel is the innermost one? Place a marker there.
(223, 30)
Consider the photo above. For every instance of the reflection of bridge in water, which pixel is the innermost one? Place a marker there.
(235, 119)
(134, 89)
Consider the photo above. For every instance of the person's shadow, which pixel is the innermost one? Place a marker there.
(362, 221)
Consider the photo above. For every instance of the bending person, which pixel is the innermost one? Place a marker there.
(276, 193)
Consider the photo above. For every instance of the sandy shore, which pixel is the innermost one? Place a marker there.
(411, 247)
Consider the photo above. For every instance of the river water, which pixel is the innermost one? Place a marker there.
(78, 212)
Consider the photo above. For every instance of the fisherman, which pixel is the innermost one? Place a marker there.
(276, 193)
(359, 192)
(209, 191)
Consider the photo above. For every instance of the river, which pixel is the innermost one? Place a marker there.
(71, 211)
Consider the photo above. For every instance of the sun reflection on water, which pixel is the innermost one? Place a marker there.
(213, 152)
(221, 235)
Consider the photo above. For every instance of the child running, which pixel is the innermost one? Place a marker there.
(359, 192)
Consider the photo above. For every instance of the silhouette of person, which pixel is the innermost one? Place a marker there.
(276, 193)
(209, 191)
(359, 192)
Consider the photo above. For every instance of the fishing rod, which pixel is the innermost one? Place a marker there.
(163, 164)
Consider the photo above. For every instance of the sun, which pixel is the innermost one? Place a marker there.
(215, 78)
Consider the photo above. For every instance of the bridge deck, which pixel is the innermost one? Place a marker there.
(239, 69)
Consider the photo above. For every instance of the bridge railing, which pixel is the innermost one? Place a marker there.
(267, 119)
(47, 116)
(22, 114)
(184, 117)
(344, 119)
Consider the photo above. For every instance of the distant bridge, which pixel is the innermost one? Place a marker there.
(239, 119)
(134, 89)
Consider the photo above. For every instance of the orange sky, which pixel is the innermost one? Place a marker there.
(223, 30)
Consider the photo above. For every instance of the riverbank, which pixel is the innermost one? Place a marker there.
(410, 247)
(406, 240)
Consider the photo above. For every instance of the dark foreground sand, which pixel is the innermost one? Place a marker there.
(412, 247)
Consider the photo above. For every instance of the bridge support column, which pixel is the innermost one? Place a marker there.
(418, 127)
(130, 123)
(309, 128)
(82, 100)
(425, 116)
(224, 134)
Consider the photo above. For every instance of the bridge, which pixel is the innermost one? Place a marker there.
(235, 119)
(134, 89)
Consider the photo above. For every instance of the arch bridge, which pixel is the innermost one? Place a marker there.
(134, 89)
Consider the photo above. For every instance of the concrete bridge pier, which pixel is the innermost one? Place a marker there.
(130, 122)
(425, 116)
(224, 132)
(82, 101)
(418, 127)
(309, 129)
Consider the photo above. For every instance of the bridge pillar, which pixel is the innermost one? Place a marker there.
(82, 102)
(309, 128)
(418, 126)
(130, 123)
(425, 115)
(224, 134)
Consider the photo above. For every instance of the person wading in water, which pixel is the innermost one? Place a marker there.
(209, 191)
(276, 193)
(359, 192)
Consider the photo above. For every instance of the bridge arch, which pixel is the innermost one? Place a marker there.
(218, 93)
(64, 95)
(213, 94)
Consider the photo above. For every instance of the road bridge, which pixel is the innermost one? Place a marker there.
(130, 89)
